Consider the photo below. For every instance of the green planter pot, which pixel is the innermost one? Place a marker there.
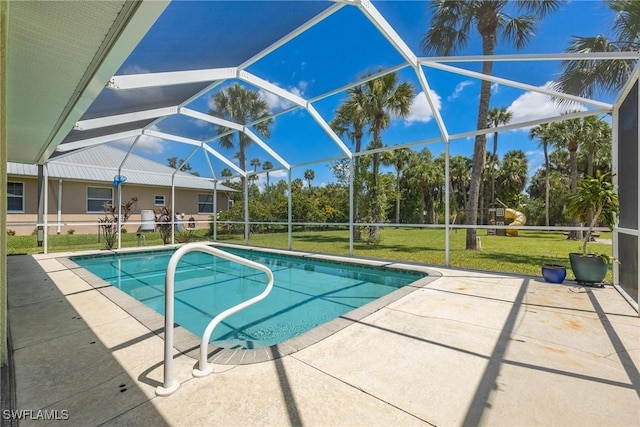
(588, 268)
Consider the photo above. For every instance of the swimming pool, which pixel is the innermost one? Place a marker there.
(307, 292)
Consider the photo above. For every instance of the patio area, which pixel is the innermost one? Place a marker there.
(470, 348)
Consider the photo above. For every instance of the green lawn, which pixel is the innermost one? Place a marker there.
(523, 254)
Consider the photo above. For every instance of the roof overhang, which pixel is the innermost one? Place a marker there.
(60, 56)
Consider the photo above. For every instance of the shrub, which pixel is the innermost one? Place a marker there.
(71, 231)
(11, 232)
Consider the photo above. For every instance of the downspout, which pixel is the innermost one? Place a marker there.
(173, 208)
(119, 210)
(215, 210)
(45, 228)
(447, 207)
(246, 211)
(41, 191)
(289, 214)
(59, 228)
(352, 170)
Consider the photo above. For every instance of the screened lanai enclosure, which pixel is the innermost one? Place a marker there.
(363, 128)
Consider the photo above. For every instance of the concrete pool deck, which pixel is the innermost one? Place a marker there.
(470, 348)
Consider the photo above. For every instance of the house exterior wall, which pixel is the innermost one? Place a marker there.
(74, 213)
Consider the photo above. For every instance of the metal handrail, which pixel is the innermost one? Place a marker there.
(204, 368)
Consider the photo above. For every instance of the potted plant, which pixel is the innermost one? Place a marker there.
(554, 273)
(595, 201)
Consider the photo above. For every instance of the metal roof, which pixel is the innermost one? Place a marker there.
(101, 164)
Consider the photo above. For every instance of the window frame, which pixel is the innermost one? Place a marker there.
(200, 203)
(155, 200)
(23, 197)
(93, 198)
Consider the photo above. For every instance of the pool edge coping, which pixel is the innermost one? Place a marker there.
(188, 343)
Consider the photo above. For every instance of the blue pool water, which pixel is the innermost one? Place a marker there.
(306, 292)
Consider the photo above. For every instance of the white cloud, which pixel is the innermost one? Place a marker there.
(199, 123)
(495, 87)
(535, 105)
(420, 110)
(276, 103)
(146, 144)
(274, 177)
(458, 90)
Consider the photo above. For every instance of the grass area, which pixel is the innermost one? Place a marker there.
(523, 254)
(82, 242)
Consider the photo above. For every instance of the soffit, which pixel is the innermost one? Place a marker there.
(58, 52)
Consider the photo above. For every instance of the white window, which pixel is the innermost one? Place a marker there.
(229, 204)
(15, 197)
(97, 197)
(205, 203)
(159, 201)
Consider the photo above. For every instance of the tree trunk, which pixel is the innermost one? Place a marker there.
(356, 187)
(546, 184)
(480, 146)
(493, 167)
(375, 198)
(398, 197)
(573, 162)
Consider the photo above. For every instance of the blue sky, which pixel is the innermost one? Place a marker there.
(334, 53)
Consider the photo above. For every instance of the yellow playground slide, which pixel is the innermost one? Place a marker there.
(516, 217)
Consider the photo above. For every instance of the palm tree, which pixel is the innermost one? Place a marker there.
(543, 133)
(382, 98)
(255, 162)
(598, 140)
(587, 77)
(350, 121)
(513, 176)
(459, 180)
(267, 166)
(497, 116)
(226, 173)
(372, 104)
(241, 106)
(568, 135)
(309, 175)
(399, 159)
(451, 24)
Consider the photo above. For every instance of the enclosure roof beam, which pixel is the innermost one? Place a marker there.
(223, 159)
(137, 81)
(360, 81)
(186, 160)
(376, 18)
(171, 137)
(633, 77)
(210, 119)
(534, 57)
(427, 92)
(118, 119)
(265, 147)
(531, 123)
(68, 146)
(515, 84)
(325, 126)
(126, 156)
(293, 34)
(270, 87)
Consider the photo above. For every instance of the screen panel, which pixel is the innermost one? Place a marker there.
(628, 160)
